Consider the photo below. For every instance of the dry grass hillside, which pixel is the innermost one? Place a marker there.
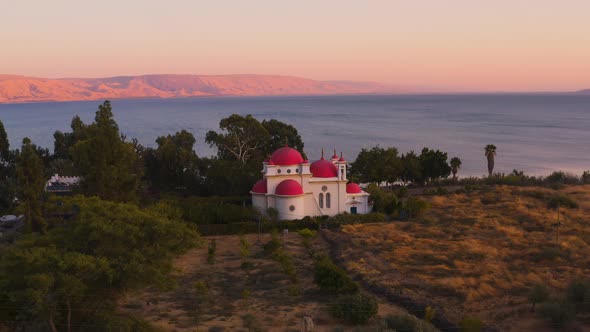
(231, 296)
(478, 254)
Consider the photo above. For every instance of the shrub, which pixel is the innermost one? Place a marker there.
(244, 247)
(307, 234)
(252, 323)
(416, 207)
(356, 308)
(272, 246)
(578, 293)
(562, 201)
(332, 279)
(287, 264)
(557, 312)
(211, 250)
(561, 177)
(406, 322)
(538, 294)
(585, 177)
(470, 324)
(429, 314)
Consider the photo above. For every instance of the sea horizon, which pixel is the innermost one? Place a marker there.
(533, 137)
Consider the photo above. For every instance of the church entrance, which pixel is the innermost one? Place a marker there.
(353, 210)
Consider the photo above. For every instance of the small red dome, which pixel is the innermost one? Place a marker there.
(260, 187)
(353, 188)
(289, 187)
(286, 156)
(323, 169)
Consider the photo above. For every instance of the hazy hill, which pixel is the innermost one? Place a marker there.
(30, 89)
(587, 91)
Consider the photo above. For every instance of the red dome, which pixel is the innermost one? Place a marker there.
(289, 188)
(260, 187)
(323, 169)
(286, 156)
(353, 188)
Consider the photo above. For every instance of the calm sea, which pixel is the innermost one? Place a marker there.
(537, 133)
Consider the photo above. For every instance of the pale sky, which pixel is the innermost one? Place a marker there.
(459, 45)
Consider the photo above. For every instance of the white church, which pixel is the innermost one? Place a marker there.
(297, 188)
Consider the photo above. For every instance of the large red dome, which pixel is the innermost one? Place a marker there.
(289, 187)
(286, 156)
(260, 187)
(353, 188)
(323, 169)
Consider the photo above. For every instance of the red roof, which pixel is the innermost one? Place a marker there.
(353, 188)
(289, 187)
(260, 187)
(323, 169)
(286, 156)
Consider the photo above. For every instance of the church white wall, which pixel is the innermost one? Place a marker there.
(260, 202)
(290, 207)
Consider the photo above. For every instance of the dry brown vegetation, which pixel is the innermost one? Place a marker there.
(477, 254)
(226, 297)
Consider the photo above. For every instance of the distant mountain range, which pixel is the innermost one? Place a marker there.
(587, 91)
(15, 89)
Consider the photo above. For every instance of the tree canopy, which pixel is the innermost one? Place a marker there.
(31, 186)
(70, 275)
(110, 166)
(377, 165)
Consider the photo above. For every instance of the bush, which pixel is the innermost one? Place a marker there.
(562, 201)
(406, 322)
(557, 312)
(578, 293)
(470, 324)
(416, 207)
(585, 177)
(538, 294)
(252, 323)
(307, 234)
(356, 308)
(272, 246)
(211, 250)
(244, 248)
(561, 177)
(332, 279)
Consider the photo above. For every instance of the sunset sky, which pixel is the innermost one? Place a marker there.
(455, 45)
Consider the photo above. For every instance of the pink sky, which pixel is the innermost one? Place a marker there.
(459, 45)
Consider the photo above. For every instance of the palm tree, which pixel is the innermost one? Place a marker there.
(490, 153)
(455, 166)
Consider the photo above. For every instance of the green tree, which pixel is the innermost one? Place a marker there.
(83, 262)
(455, 166)
(4, 145)
(281, 134)
(174, 163)
(31, 185)
(411, 168)
(434, 165)
(242, 138)
(490, 153)
(7, 173)
(377, 165)
(109, 166)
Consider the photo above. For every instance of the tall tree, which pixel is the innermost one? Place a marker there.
(434, 165)
(174, 163)
(109, 166)
(242, 138)
(4, 145)
(455, 166)
(411, 169)
(281, 134)
(7, 173)
(377, 165)
(31, 184)
(490, 153)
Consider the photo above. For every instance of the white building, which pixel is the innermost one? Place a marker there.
(296, 188)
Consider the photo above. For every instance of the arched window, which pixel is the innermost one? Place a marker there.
(328, 200)
(321, 201)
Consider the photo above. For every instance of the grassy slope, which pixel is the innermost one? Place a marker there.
(476, 254)
(224, 305)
